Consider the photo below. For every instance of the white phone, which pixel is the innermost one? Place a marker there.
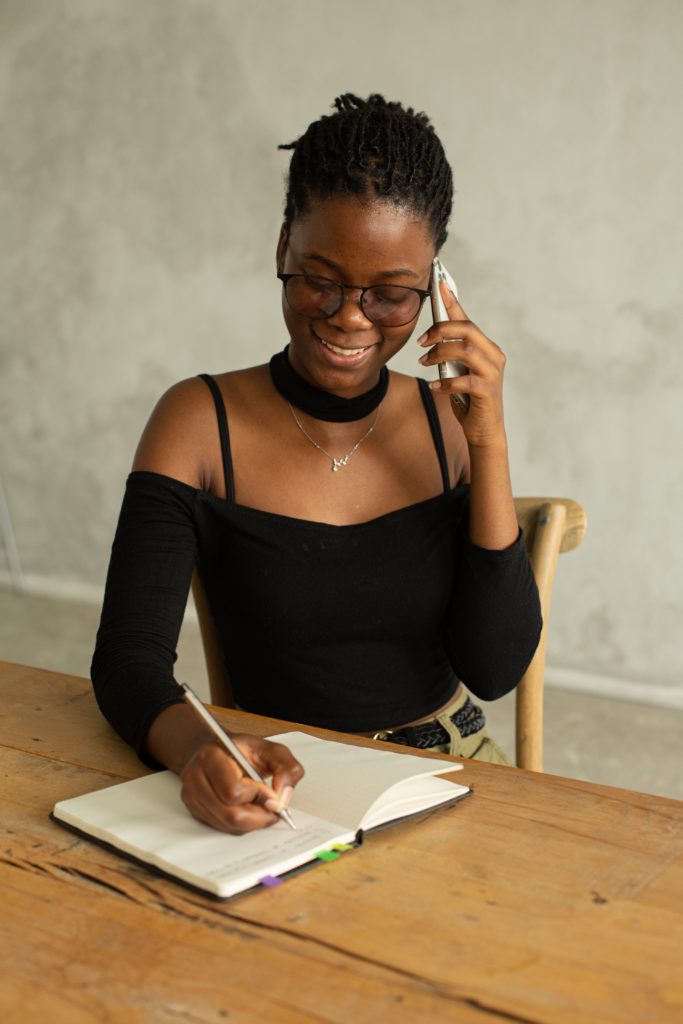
(450, 368)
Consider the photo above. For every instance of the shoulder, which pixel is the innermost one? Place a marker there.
(455, 443)
(181, 438)
(454, 438)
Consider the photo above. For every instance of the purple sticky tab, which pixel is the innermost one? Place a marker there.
(270, 880)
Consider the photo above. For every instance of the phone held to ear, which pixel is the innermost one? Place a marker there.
(450, 368)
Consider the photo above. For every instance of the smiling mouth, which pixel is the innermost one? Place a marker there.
(342, 351)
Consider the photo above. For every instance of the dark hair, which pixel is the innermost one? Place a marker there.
(370, 148)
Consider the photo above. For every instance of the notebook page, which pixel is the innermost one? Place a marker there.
(410, 797)
(342, 782)
(147, 818)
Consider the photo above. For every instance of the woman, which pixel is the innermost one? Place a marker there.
(354, 529)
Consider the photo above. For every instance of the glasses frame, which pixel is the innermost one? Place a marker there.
(421, 292)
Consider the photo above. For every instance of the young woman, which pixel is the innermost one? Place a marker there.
(354, 529)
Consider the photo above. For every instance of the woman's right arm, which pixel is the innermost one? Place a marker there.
(148, 581)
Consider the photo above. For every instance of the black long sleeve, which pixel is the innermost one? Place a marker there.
(494, 624)
(146, 592)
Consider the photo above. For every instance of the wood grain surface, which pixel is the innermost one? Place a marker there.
(540, 899)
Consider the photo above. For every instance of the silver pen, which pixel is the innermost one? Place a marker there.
(228, 744)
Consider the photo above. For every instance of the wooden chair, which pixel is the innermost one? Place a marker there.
(220, 687)
(551, 526)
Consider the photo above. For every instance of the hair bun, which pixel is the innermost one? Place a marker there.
(372, 147)
(349, 101)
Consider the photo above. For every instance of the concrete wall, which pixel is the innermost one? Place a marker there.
(140, 197)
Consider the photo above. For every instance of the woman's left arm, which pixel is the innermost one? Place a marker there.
(495, 620)
(492, 519)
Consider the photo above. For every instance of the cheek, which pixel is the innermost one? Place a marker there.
(398, 336)
(295, 324)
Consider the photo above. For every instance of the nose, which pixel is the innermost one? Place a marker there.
(350, 316)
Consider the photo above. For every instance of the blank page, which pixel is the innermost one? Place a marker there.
(147, 819)
(343, 782)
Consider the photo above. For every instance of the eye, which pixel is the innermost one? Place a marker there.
(390, 296)
(321, 286)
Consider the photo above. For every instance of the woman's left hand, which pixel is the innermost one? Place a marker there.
(459, 339)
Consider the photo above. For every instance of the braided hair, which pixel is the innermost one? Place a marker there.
(372, 148)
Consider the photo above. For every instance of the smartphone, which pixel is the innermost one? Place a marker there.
(450, 368)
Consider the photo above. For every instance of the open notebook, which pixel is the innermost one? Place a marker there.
(346, 790)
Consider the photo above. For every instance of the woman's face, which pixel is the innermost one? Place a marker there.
(359, 243)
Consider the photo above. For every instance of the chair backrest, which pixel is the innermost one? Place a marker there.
(551, 527)
(220, 688)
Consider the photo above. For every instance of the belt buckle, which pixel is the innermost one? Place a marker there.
(383, 734)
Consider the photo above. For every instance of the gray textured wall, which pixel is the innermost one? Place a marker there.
(140, 196)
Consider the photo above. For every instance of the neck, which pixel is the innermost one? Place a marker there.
(323, 405)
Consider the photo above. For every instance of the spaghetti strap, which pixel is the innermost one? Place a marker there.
(224, 434)
(435, 427)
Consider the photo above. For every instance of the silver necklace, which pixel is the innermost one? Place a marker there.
(343, 461)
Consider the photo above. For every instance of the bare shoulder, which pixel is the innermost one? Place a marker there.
(181, 438)
(454, 438)
(243, 389)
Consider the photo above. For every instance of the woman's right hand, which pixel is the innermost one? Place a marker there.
(214, 788)
(216, 791)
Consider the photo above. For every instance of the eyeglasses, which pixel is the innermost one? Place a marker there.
(390, 305)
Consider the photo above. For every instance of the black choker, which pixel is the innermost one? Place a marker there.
(322, 404)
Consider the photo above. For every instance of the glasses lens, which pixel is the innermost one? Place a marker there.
(391, 305)
(313, 296)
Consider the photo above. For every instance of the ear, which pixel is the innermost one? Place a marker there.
(281, 250)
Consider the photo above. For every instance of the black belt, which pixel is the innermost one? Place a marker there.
(467, 719)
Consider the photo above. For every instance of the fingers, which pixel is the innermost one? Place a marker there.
(273, 761)
(453, 307)
(216, 792)
(478, 359)
(459, 340)
(270, 759)
(465, 332)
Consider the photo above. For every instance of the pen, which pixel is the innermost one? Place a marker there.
(228, 744)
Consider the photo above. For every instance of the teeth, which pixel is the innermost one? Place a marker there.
(343, 351)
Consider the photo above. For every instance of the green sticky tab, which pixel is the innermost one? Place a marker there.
(327, 855)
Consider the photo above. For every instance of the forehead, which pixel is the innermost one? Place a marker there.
(349, 230)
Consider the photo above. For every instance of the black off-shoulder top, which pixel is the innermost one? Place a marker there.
(355, 628)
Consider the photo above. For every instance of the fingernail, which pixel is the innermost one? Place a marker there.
(286, 796)
(421, 339)
(423, 359)
(282, 801)
(435, 385)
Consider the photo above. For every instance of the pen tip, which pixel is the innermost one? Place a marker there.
(286, 816)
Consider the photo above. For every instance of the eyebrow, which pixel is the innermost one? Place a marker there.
(398, 272)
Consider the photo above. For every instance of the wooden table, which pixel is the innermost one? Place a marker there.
(540, 899)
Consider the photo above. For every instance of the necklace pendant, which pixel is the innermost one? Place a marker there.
(336, 464)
